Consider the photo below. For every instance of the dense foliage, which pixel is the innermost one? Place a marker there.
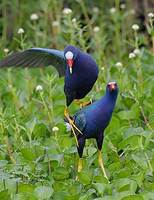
(38, 158)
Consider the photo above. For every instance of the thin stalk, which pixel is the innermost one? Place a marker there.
(46, 107)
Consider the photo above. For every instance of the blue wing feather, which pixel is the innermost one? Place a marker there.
(36, 57)
(80, 120)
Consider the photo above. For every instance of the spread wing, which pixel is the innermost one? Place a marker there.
(36, 57)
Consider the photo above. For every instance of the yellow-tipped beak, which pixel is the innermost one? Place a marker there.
(70, 64)
(70, 70)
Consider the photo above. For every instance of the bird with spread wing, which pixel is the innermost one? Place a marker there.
(79, 69)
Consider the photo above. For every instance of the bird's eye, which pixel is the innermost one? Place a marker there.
(69, 55)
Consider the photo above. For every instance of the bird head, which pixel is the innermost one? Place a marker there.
(112, 87)
(70, 54)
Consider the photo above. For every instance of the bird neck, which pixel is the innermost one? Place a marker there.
(109, 99)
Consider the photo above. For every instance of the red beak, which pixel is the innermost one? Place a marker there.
(70, 64)
(112, 87)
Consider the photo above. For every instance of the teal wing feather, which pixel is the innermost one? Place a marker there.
(36, 57)
(80, 121)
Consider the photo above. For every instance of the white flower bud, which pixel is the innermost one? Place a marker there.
(112, 10)
(136, 52)
(34, 17)
(55, 23)
(135, 27)
(67, 11)
(96, 29)
(55, 129)
(6, 50)
(74, 20)
(132, 55)
(150, 15)
(95, 9)
(20, 31)
(39, 88)
(123, 6)
(118, 64)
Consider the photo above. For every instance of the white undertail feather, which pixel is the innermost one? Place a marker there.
(68, 126)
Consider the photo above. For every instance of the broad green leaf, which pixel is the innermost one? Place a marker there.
(125, 184)
(24, 196)
(88, 194)
(43, 192)
(4, 194)
(65, 142)
(100, 188)
(140, 159)
(28, 154)
(84, 177)
(133, 197)
(60, 173)
(22, 188)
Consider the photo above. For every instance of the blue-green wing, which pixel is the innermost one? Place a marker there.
(80, 120)
(36, 57)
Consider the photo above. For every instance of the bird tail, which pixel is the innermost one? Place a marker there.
(67, 124)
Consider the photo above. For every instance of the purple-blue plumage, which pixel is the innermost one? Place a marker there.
(79, 69)
(93, 119)
(84, 75)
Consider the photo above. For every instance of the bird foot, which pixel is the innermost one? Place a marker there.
(73, 126)
(83, 104)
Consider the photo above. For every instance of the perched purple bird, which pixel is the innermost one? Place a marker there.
(92, 121)
(79, 68)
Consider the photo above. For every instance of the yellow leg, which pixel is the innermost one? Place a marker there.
(82, 104)
(100, 160)
(79, 167)
(71, 122)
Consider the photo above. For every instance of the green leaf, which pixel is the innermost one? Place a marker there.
(65, 142)
(88, 194)
(140, 159)
(4, 195)
(148, 195)
(91, 151)
(114, 124)
(59, 195)
(22, 188)
(24, 196)
(84, 177)
(130, 114)
(125, 184)
(43, 192)
(100, 188)
(60, 173)
(28, 153)
(133, 197)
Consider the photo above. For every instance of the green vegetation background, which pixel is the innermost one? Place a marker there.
(39, 161)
